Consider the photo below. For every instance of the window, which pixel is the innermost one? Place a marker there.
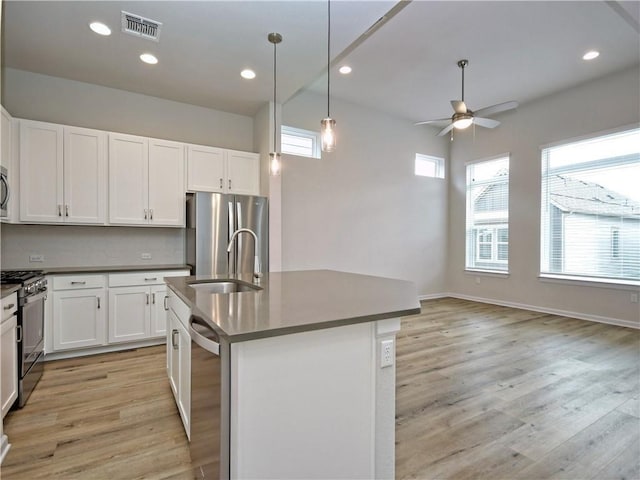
(428, 166)
(487, 243)
(296, 141)
(590, 219)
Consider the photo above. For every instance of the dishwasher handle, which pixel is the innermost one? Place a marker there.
(195, 324)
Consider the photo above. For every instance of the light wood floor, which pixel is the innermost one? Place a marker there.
(483, 392)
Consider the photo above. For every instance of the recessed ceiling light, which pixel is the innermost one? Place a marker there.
(345, 69)
(590, 55)
(248, 74)
(148, 58)
(100, 28)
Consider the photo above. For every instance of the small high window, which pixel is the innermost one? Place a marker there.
(296, 141)
(429, 166)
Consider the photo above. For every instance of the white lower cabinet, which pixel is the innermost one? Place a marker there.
(97, 310)
(81, 319)
(179, 357)
(9, 353)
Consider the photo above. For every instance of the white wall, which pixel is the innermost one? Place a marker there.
(362, 209)
(52, 99)
(72, 246)
(590, 108)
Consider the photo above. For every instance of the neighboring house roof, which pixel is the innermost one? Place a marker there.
(577, 196)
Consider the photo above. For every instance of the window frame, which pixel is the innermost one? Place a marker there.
(545, 274)
(316, 145)
(437, 162)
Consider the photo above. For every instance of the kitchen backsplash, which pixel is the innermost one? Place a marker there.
(72, 246)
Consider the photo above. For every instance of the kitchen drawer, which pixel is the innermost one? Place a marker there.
(9, 305)
(143, 278)
(76, 282)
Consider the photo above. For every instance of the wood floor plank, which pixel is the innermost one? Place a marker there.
(483, 392)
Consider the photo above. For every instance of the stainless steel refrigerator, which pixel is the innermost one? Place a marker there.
(211, 220)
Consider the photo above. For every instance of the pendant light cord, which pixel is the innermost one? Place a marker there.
(328, 55)
(275, 126)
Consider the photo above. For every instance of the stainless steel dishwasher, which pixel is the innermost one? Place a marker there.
(209, 446)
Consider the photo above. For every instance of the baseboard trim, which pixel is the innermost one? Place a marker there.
(105, 349)
(553, 311)
(433, 296)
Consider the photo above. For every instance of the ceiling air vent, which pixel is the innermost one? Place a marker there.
(140, 26)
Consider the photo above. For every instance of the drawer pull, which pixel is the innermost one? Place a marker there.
(79, 283)
(166, 307)
(11, 305)
(151, 279)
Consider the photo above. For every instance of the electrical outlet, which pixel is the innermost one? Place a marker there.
(634, 298)
(386, 353)
(146, 256)
(36, 258)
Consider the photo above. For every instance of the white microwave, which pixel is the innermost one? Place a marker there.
(4, 193)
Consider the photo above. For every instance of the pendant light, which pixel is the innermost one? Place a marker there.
(274, 157)
(328, 132)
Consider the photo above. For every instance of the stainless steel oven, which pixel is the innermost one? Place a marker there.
(30, 330)
(4, 193)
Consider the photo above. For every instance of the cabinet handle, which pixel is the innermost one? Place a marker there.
(166, 306)
(153, 298)
(229, 184)
(66, 210)
(19, 333)
(78, 283)
(173, 339)
(220, 183)
(98, 298)
(59, 210)
(145, 213)
(151, 214)
(151, 279)
(147, 299)
(11, 305)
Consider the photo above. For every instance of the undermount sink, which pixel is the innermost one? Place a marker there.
(223, 286)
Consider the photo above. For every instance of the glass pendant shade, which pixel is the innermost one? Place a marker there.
(462, 123)
(274, 163)
(328, 134)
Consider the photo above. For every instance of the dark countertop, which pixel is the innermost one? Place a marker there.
(293, 302)
(8, 289)
(105, 269)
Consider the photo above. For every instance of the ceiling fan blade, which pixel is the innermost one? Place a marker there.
(459, 106)
(445, 130)
(500, 107)
(440, 122)
(486, 122)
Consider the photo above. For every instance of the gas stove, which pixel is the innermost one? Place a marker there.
(19, 276)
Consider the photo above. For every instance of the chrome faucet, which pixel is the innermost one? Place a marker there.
(256, 259)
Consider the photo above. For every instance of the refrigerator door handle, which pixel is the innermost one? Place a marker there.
(231, 256)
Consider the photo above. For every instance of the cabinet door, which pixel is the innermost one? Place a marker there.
(9, 365)
(243, 169)
(5, 155)
(41, 172)
(205, 169)
(79, 318)
(184, 385)
(129, 314)
(85, 175)
(166, 183)
(158, 312)
(173, 352)
(128, 179)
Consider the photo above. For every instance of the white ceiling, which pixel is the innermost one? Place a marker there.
(516, 50)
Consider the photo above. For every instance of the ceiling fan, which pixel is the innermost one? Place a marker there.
(463, 117)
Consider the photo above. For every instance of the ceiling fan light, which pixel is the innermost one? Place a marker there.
(462, 123)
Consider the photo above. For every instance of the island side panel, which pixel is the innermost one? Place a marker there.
(304, 405)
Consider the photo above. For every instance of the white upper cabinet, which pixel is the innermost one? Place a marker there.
(146, 181)
(211, 169)
(62, 174)
(85, 176)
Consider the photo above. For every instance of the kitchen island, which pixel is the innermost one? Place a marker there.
(307, 375)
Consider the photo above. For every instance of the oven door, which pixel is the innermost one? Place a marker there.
(31, 334)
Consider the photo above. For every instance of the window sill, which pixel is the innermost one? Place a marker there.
(589, 281)
(486, 273)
